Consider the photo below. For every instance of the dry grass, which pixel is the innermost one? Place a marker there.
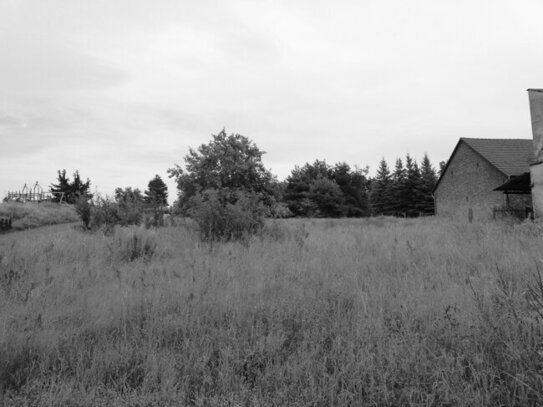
(324, 312)
(30, 215)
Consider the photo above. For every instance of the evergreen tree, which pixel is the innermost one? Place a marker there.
(397, 190)
(428, 182)
(380, 198)
(68, 191)
(412, 187)
(442, 165)
(157, 192)
(78, 187)
(62, 188)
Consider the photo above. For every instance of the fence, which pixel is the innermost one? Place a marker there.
(520, 213)
(30, 196)
(35, 194)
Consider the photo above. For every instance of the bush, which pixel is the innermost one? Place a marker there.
(129, 213)
(224, 215)
(134, 244)
(104, 215)
(83, 208)
(154, 217)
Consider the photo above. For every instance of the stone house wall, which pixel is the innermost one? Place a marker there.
(467, 186)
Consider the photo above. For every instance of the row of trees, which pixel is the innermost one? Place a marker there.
(71, 191)
(226, 188)
(406, 191)
(129, 206)
(232, 164)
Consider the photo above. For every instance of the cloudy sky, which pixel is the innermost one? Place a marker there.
(121, 89)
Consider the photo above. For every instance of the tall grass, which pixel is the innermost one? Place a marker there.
(30, 215)
(311, 312)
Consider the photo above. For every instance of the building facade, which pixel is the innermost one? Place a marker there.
(466, 187)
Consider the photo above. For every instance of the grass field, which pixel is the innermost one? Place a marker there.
(30, 215)
(377, 312)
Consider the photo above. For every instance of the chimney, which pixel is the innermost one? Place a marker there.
(536, 168)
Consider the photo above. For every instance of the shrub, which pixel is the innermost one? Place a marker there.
(222, 215)
(83, 208)
(129, 213)
(134, 244)
(104, 215)
(154, 217)
(130, 206)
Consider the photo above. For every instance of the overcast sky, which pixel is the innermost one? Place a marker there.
(121, 89)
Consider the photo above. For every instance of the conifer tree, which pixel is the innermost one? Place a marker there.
(428, 182)
(380, 198)
(412, 187)
(62, 188)
(157, 192)
(69, 191)
(442, 165)
(397, 189)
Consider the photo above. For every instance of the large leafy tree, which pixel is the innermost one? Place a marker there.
(298, 195)
(129, 206)
(69, 191)
(231, 165)
(354, 185)
(157, 192)
(128, 195)
(319, 190)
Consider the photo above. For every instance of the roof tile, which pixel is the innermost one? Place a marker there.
(510, 156)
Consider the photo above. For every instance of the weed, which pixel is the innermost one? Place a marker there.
(135, 243)
(314, 312)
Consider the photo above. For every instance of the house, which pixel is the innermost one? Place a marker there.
(477, 178)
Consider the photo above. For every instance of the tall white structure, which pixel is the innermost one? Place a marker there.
(536, 168)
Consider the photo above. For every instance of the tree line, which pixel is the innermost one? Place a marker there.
(231, 164)
(406, 191)
(226, 188)
(322, 190)
(68, 191)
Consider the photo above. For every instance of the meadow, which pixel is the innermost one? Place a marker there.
(31, 215)
(376, 312)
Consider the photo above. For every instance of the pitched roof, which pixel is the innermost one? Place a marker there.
(510, 156)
